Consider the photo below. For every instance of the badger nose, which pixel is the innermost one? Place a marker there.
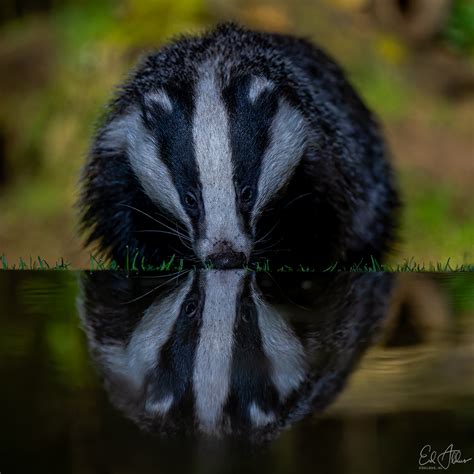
(222, 260)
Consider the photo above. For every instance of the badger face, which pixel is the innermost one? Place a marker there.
(213, 156)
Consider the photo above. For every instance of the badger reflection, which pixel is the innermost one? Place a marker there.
(228, 352)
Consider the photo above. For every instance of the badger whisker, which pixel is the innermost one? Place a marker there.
(296, 199)
(161, 232)
(187, 257)
(152, 218)
(285, 293)
(265, 253)
(181, 237)
(270, 247)
(172, 221)
(178, 274)
(262, 239)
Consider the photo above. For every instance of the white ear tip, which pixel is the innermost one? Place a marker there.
(160, 98)
(258, 85)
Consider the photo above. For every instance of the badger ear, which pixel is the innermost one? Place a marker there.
(113, 137)
(259, 87)
(285, 149)
(153, 105)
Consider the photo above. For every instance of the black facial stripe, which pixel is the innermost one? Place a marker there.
(172, 131)
(249, 135)
(175, 373)
(250, 380)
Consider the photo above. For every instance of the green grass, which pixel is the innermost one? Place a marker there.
(134, 264)
(33, 263)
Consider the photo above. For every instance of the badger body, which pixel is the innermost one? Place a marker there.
(236, 146)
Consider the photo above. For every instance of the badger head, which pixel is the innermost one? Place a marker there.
(197, 161)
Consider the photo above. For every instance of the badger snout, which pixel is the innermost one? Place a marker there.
(227, 259)
(224, 253)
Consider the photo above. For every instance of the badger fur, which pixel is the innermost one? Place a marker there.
(235, 146)
(220, 352)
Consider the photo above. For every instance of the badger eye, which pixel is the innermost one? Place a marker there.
(246, 194)
(190, 200)
(190, 308)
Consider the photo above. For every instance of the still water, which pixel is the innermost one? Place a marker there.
(229, 371)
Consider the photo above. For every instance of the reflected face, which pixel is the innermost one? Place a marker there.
(210, 355)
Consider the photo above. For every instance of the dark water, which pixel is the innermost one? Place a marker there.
(233, 372)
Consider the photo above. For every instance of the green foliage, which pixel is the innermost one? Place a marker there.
(149, 23)
(383, 89)
(436, 218)
(460, 26)
(80, 26)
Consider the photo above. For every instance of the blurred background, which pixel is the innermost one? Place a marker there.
(411, 60)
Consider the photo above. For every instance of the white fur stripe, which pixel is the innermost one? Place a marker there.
(159, 407)
(214, 159)
(259, 417)
(161, 98)
(153, 174)
(213, 363)
(258, 85)
(282, 348)
(134, 361)
(128, 133)
(287, 142)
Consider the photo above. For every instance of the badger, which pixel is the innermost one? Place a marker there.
(236, 146)
(223, 354)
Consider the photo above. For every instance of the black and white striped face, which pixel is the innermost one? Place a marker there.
(214, 156)
(227, 352)
(211, 354)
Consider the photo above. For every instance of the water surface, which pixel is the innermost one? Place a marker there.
(324, 373)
